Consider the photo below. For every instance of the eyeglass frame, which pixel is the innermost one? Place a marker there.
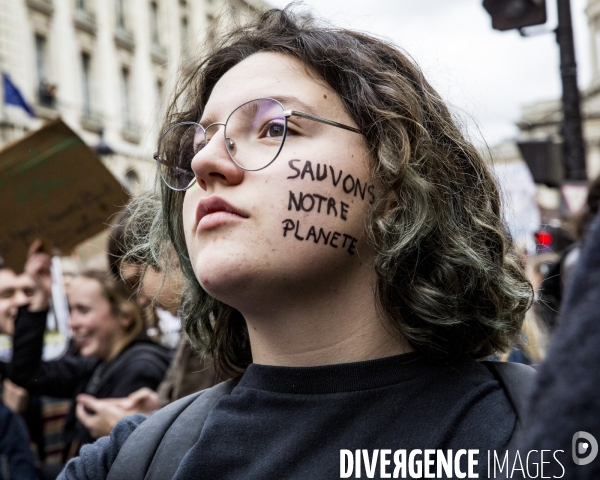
(286, 115)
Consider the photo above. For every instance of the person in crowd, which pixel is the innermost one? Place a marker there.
(158, 283)
(531, 345)
(157, 297)
(20, 290)
(565, 401)
(15, 291)
(559, 272)
(16, 458)
(345, 258)
(131, 273)
(115, 357)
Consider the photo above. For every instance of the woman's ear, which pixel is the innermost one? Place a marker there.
(125, 321)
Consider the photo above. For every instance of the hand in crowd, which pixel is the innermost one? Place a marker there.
(38, 267)
(100, 416)
(14, 397)
(143, 401)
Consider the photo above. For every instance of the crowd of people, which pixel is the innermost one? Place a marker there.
(333, 249)
(112, 368)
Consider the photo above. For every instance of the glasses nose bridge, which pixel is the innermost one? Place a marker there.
(229, 143)
(212, 125)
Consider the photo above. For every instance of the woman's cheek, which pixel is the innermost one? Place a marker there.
(325, 205)
(188, 213)
(190, 202)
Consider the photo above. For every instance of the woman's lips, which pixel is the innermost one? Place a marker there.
(213, 211)
(82, 341)
(217, 218)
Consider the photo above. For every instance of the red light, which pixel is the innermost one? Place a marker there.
(544, 238)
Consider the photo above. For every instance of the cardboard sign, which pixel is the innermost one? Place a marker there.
(53, 187)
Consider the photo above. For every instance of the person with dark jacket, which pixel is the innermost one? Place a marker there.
(115, 356)
(158, 284)
(16, 458)
(17, 291)
(566, 397)
(552, 288)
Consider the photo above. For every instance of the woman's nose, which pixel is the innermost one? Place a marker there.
(73, 320)
(212, 164)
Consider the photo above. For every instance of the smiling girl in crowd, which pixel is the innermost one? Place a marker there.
(114, 358)
(345, 257)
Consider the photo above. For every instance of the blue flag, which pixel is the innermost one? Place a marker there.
(12, 95)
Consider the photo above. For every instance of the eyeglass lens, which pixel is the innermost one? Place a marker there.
(256, 130)
(254, 134)
(176, 149)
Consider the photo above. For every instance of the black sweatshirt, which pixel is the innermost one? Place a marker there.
(142, 363)
(284, 422)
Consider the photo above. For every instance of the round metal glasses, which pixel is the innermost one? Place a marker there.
(254, 134)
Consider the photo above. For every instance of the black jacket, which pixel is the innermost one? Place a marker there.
(15, 456)
(142, 363)
(566, 398)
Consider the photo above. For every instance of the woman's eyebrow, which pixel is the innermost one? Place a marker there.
(207, 121)
(289, 102)
(294, 103)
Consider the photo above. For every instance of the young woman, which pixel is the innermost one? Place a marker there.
(345, 256)
(115, 357)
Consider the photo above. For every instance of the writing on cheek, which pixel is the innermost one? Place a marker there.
(326, 237)
(324, 173)
(308, 202)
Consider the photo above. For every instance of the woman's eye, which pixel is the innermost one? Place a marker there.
(199, 146)
(274, 130)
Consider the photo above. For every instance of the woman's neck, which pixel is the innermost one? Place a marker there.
(339, 324)
(118, 346)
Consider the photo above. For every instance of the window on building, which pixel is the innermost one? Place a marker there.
(210, 31)
(132, 180)
(41, 56)
(46, 91)
(154, 23)
(120, 13)
(125, 97)
(184, 33)
(597, 42)
(81, 5)
(160, 101)
(86, 81)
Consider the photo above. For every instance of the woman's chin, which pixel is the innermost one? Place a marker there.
(88, 350)
(237, 287)
(224, 286)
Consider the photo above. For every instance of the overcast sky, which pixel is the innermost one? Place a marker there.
(486, 75)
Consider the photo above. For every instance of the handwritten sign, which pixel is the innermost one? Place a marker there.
(53, 187)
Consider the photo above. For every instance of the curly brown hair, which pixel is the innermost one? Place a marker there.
(448, 277)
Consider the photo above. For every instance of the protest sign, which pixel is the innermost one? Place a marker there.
(53, 187)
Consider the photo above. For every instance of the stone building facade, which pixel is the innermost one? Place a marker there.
(107, 67)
